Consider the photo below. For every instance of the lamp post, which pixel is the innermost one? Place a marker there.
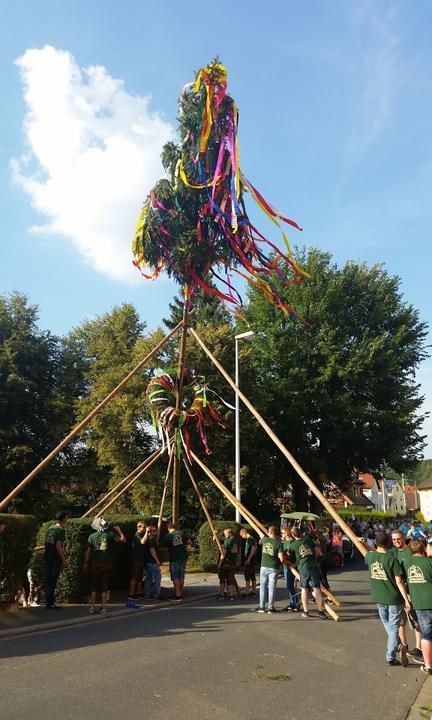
(243, 336)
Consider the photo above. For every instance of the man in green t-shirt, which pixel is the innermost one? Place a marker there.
(250, 555)
(272, 558)
(418, 569)
(227, 564)
(100, 545)
(153, 576)
(55, 560)
(138, 551)
(402, 551)
(303, 547)
(388, 591)
(177, 543)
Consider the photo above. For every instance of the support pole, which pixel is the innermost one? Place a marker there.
(203, 505)
(77, 429)
(142, 465)
(257, 525)
(129, 484)
(164, 492)
(330, 509)
(181, 367)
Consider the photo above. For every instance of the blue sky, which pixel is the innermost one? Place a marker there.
(335, 103)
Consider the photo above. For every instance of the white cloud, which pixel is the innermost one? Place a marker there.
(93, 155)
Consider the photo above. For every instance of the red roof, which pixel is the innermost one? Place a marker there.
(368, 480)
(410, 489)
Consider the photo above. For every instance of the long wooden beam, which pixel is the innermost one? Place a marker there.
(77, 429)
(203, 505)
(179, 397)
(323, 500)
(165, 491)
(129, 484)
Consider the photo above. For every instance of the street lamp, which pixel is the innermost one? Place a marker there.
(243, 336)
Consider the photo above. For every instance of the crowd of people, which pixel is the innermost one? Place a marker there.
(398, 558)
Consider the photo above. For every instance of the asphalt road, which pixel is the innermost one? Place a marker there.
(212, 660)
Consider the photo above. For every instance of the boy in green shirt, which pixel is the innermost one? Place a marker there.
(249, 562)
(55, 560)
(176, 543)
(227, 564)
(388, 591)
(304, 549)
(402, 551)
(100, 546)
(272, 558)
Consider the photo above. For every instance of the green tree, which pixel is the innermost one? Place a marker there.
(339, 386)
(422, 471)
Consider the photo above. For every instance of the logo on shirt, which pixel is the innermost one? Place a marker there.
(103, 544)
(305, 551)
(177, 540)
(415, 575)
(377, 571)
(268, 549)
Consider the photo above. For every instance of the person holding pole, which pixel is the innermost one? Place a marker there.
(176, 543)
(418, 569)
(402, 552)
(293, 603)
(55, 560)
(138, 552)
(228, 564)
(100, 545)
(272, 558)
(249, 562)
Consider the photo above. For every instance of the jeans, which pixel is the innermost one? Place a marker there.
(152, 577)
(52, 572)
(268, 579)
(290, 583)
(390, 616)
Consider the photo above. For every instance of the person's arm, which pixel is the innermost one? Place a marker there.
(252, 554)
(59, 548)
(154, 556)
(120, 533)
(87, 558)
(281, 556)
(402, 589)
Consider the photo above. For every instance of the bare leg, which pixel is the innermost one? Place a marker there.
(304, 599)
(181, 586)
(426, 646)
(104, 599)
(177, 590)
(403, 636)
(93, 599)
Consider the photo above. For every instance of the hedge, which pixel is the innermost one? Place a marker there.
(366, 515)
(208, 550)
(74, 583)
(19, 538)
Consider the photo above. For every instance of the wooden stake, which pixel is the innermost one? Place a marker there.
(203, 505)
(143, 465)
(164, 492)
(179, 396)
(130, 483)
(257, 526)
(330, 509)
(16, 491)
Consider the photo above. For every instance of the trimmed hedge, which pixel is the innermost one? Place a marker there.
(74, 583)
(19, 538)
(208, 550)
(366, 515)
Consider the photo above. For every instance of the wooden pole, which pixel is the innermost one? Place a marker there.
(180, 375)
(130, 483)
(77, 429)
(203, 505)
(128, 477)
(330, 509)
(256, 524)
(164, 492)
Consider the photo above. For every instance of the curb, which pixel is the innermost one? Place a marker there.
(421, 708)
(87, 619)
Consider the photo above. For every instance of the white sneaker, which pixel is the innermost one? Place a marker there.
(34, 604)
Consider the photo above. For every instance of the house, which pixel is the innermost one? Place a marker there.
(351, 497)
(371, 489)
(424, 491)
(398, 502)
(412, 501)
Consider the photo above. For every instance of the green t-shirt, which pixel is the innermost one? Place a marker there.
(55, 534)
(231, 546)
(249, 545)
(137, 548)
(304, 551)
(101, 544)
(383, 568)
(419, 578)
(270, 550)
(175, 542)
(148, 557)
(401, 556)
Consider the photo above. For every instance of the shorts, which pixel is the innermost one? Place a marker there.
(249, 572)
(227, 573)
(424, 618)
(310, 578)
(101, 575)
(137, 570)
(177, 569)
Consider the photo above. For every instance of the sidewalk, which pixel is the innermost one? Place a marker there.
(23, 621)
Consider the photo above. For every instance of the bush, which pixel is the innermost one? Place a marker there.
(365, 515)
(74, 584)
(19, 538)
(208, 550)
